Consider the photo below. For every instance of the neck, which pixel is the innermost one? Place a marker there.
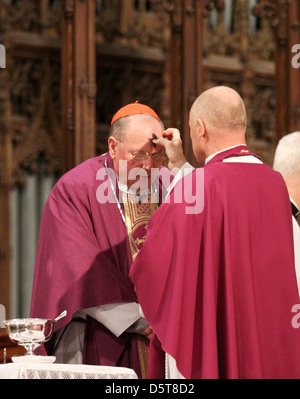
(293, 186)
(222, 141)
(223, 149)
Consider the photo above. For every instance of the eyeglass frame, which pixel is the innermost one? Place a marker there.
(146, 154)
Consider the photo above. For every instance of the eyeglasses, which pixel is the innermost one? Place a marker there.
(144, 156)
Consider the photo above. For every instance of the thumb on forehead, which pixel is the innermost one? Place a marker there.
(161, 141)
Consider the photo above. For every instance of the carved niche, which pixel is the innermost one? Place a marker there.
(33, 30)
(246, 62)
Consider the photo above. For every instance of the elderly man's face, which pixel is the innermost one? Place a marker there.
(136, 148)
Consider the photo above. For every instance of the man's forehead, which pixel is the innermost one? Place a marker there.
(141, 129)
(143, 142)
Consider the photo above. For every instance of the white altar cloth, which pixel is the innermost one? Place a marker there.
(63, 371)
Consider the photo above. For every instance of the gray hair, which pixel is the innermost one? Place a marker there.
(287, 155)
(119, 128)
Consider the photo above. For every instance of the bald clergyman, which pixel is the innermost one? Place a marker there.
(218, 286)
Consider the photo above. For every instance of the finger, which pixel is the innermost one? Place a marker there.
(168, 134)
(148, 331)
(171, 134)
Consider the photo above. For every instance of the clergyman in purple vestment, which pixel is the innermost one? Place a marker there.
(218, 286)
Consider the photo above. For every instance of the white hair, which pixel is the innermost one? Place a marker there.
(287, 155)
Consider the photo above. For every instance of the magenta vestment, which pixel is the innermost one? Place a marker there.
(83, 260)
(218, 287)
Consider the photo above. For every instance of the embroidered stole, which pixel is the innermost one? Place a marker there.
(137, 215)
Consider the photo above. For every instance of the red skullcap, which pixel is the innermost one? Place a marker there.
(133, 109)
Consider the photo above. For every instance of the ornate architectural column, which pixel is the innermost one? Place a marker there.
(186, 57)
(78, 81)
(5, 183)
(294, 78)
(5, 169)
(285, 20)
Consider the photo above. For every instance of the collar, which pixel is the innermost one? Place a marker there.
(219, 152)
(128, 190)
(234, 151)
(295, 209)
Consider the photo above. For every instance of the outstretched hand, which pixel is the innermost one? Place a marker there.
(172, 142)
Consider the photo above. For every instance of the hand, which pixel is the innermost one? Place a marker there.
(148, 332)
(172, 142)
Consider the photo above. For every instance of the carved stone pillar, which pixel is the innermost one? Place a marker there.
(186, 64)
(78, 81)
(175, 11)
(285, 19)
(294, 80)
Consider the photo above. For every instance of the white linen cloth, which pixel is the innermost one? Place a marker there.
(63, 371)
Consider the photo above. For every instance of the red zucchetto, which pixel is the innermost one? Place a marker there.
(133, 109)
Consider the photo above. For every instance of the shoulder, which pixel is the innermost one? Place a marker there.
(83, 173)
(219, 176)
(221, 170)
(79, 181)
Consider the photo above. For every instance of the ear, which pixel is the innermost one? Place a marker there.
(201, 129)
(112, 147)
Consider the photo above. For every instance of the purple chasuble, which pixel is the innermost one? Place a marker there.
(218, 287)
(83, 260)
